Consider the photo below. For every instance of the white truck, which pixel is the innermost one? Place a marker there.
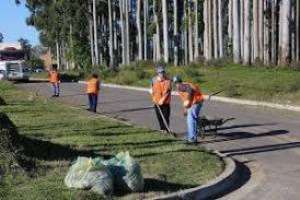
(12, 65)
(14, 70)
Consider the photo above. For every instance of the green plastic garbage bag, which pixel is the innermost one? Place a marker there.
(126, 171)
(87, 173)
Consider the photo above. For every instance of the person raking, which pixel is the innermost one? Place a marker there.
(192, 99)
(161, 97)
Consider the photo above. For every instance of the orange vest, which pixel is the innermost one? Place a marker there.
(197, 95)
(92, 86)
(53, 77)
(159, 89)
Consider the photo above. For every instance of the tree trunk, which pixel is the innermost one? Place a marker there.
(220, 32)
(266, 35)
(210, 30)
(196, 36)
(158, 45)
(165, 30)
(110, 42)
(139, 30)
(297, 30)
(146, 3)
(185, 32)
(242, 27)
(284, 37)
(274, 32)
(91, 38)
(255, 30)
(205, 35)
(230, 26)
(57, 54)
(122, 25)
(95, 33)
(71, 47)
(190, 25)
(261, 29)
(175, 33)
(236, 32)
(247, 33)
(215, 28)
(127, 32)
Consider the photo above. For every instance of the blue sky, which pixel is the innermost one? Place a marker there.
(13, 25)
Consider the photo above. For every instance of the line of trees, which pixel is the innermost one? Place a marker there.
(86, 33)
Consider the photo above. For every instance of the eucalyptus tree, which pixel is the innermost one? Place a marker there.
(175, 29)
(284, 32)
(247, 33)
(165, 30)
(236, 32)
(139, 29)
(111, 35)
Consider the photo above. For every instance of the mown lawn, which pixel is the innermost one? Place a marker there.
(60, 133)
(255, 83)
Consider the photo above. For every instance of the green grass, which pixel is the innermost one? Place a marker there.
(280, 85)
(60, 133)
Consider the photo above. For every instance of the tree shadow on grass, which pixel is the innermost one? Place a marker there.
(2, 102)
(156, 185)
(46, 150)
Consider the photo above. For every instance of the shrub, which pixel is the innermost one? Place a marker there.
(126, 77)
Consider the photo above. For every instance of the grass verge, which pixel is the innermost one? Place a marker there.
(57, 134)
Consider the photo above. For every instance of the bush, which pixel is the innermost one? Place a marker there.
(127, 77)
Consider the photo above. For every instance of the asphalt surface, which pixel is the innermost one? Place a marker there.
(266, 142)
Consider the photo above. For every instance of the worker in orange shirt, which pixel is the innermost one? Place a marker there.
(161, 97)
(92, 90)
(192, 99)
(54, 79)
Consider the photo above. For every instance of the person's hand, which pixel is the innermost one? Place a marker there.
(161, 102)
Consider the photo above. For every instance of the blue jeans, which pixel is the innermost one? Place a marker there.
(55, 88)
(192, 120)
(93, 101)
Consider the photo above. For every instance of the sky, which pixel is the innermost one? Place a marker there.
(13, 25)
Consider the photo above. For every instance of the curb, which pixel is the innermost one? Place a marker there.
(214, 98)
(213, 188)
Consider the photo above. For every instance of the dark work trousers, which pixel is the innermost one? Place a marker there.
(93, 101)
(165, 109)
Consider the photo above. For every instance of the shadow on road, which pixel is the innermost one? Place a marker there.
(262, 149)
(244, 175)
(128, 110)
(243, 135)
(245, 126)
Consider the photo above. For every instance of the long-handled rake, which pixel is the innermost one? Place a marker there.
(165, 122)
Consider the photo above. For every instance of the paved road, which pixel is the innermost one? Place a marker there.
(266, 141)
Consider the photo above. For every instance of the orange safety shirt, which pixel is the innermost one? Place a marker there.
(54, 76)
(92, 86)
(160, 88)
(197, 96)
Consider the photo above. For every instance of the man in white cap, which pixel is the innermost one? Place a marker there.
(161, 97)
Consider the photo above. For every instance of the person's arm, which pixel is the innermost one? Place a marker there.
(189, 90)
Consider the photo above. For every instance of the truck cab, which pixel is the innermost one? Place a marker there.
(14, 71)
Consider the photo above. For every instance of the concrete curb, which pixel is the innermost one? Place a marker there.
(214, 98)
(213, 188)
